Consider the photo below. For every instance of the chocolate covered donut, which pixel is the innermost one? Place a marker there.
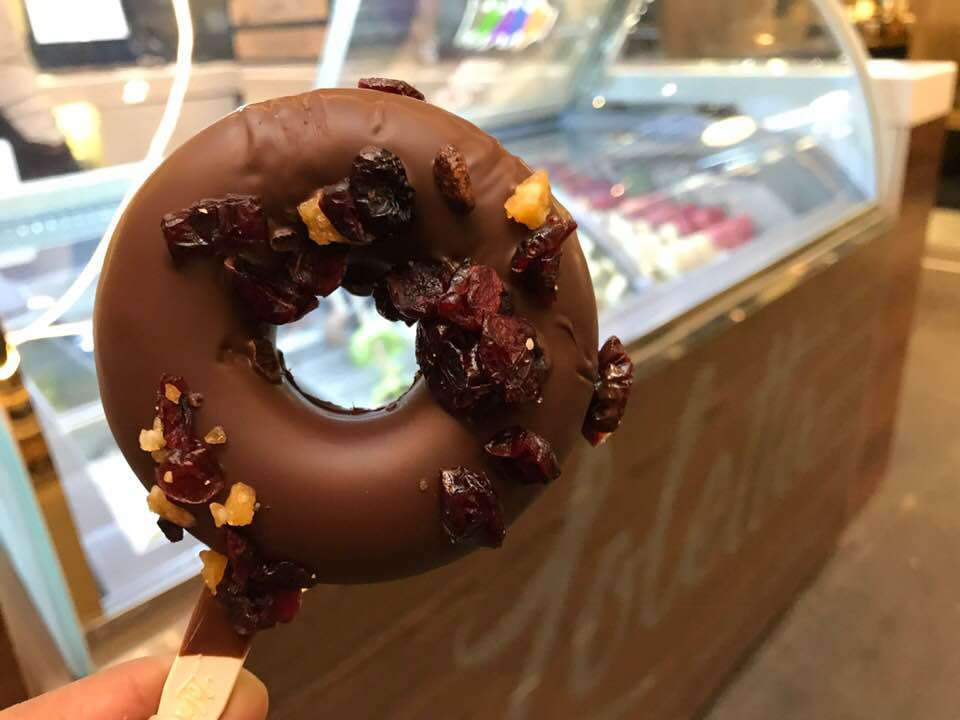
(249, 225)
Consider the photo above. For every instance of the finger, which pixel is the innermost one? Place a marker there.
(249, 700)
(131, 690)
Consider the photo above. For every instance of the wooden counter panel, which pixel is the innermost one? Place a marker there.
(644, 575)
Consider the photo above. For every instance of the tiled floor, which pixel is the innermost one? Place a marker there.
(877, 637)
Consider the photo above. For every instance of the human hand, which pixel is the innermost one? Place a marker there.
(130, 691)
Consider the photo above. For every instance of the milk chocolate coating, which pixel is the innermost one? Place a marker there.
(339, 492)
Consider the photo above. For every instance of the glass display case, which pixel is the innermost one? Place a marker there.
(691, 160)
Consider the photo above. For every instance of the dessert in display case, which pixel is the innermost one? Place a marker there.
(727, 188)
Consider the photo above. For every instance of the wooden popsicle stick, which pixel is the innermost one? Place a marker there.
(206, 668)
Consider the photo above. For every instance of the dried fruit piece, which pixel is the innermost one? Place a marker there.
(195, 474)
(284, 239)
(470, 510)
(537, 259)
(152, 440)
(158, 503)
(272, 302)
(474, 293)
(472, 373)
(448, 357)
(188, 471)
(415, 290)
(159, 456)
(389, 85)
(172, 531)
(319, 227)
(512, 358)
(524, 455)
(265, 359)
(530, 202)
(610, 392)
(257, 593)
(318, 270)
(216, 436)
(222, 225)
(453, 179)
(544, 242)
(384, 304)
(214, 567)
(381, 192)
(338, 206)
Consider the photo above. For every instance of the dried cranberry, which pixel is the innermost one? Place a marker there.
(470, 510)
(389, 85)
(285, 239)
(194, 474)
(475, 292)
(286, 604)
(258, 593)
(452, 176)
(384, 304)
(512, 359)
(222, 225)
(270, 301)
(176, 417)
(242, 224)
(318, 270)
(544, 241)
(192, 466)
(282, 574)
(541, 277)
(449, 359)
(524, 455)
(416, 290)
(381, 192)
(338, 205)
(190, 230)
(172, 531)
(537, 259)
(265, 359)
(610, 393)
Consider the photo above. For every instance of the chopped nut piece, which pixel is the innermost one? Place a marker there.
(219, 513)
(530, 202)
(152, 440)
(157, 502)
(240, 504)
(530, 344)
(172, 393)
(214, 566)
(168, 477)
(195, 399)
(423, 485)
(216, 436)
(319, 227)
(452, 176)
(239, 509)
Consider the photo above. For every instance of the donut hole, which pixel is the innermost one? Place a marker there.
(346, 354)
